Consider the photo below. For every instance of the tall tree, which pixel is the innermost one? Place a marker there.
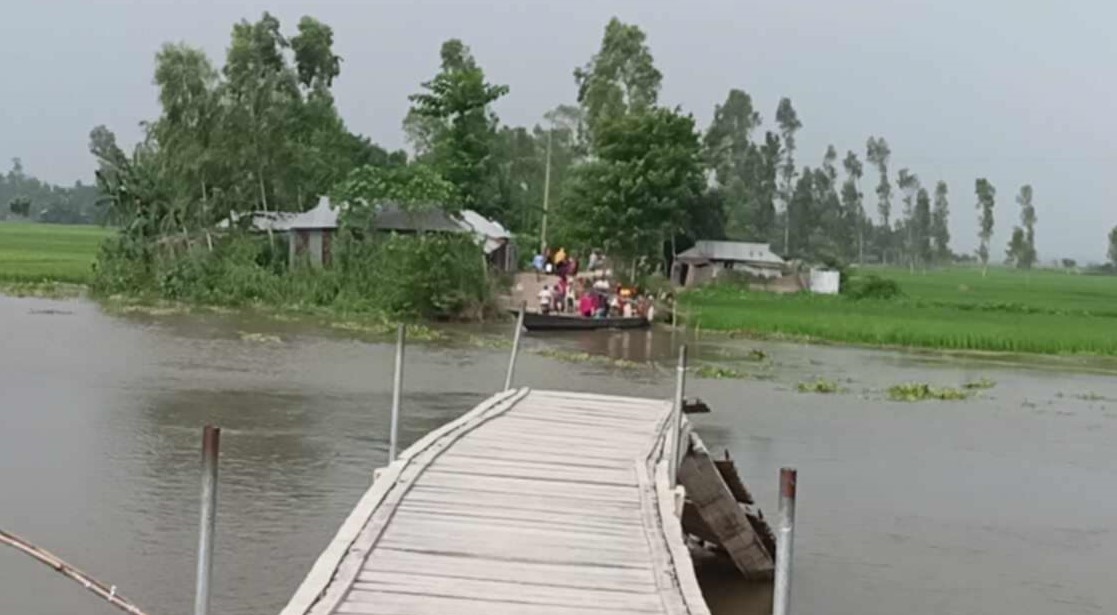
(459, 101)
(1113, 246)
(1028, 220)
(621, 77)
(921, 228)
(940, 223)
(878, 154)
(734, 161)
(851, 201)
(263, 90)
(788, 121)
(800, 211)
(908, 182)
(986, 200)
(640, 190)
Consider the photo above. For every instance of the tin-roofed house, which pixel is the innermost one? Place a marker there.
(707, 259)
(312, 232)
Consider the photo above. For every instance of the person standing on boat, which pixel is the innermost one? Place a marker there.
(546, 300)
(586, 305)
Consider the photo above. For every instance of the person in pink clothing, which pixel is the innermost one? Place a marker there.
(586, 305)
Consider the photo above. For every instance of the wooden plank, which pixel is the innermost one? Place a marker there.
(314, 584)
(672, 532)
(722, 515)
(590, 576)
(543, 502)
(387, 603)
(528, 594)
(332, 590)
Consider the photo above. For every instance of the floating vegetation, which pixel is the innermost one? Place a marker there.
(819, 385)
(1091, 396)
(41, 290)
(415, 332)
(585, 357)
(921, 391)
(151, 310)
(717, 372)
(757, 354)
(260, 338)
(980, 383)
(490, 342)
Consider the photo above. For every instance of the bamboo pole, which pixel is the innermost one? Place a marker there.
(515, 346)
(785, 540)
(397, 390)
(108, 592)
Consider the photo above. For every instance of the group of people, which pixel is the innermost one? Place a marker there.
(594, 300)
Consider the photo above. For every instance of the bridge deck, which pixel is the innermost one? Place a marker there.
(541, 502)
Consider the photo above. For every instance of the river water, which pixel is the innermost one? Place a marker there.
(1004, 503)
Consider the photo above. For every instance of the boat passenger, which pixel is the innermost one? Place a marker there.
(546, 300)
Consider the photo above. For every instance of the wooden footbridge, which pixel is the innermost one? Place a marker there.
(545, 502)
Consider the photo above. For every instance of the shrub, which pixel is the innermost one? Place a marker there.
(872, 287)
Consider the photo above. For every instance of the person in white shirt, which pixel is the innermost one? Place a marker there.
(546, 300)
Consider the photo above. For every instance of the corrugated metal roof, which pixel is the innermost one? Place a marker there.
(390, 217)
(323, 216)
(734, 251)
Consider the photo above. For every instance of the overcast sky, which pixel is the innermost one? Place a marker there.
(1019, 91)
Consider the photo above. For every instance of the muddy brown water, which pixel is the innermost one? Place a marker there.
(1005, 503)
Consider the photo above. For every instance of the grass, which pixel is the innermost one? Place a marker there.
(1043, 312)
(35, 253)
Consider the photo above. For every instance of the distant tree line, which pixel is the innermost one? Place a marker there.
(620, 171)
(24, 197)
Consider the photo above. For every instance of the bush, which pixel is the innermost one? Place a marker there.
(427, 276)
(872, 287)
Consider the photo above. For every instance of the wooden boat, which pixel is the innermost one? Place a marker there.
(534, 321)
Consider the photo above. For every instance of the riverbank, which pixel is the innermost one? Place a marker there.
(1044, 312)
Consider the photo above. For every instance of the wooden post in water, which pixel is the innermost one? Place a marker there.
(785, 535)
(677, 417)
(211, 441)
(515, 346)
(397, 387)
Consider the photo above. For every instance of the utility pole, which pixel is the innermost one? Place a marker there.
(546, 194)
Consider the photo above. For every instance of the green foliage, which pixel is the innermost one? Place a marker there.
(643, 186)
(20, 206)
(871, 286)
(1112, 253)
(719, 372)
(401, 276)
(980, 383)
(818, 385)
(412, 187)
(621, 78)
(940, 224)
(921, 391)
(455, 112)
(26, 197)
(1022, 246)
(986, 200)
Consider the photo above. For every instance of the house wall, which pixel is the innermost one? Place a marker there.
(309, 244)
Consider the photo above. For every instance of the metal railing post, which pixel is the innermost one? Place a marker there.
(785, 537)
(515, 346)
(677, 416)
(397, 387)
(211, 442)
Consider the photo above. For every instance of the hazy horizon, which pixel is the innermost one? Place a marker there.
(1013, 93)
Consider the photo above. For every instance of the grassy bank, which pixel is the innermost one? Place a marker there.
(35, 253)
(957, 309)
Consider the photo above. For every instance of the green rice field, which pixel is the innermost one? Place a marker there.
(1047, 312)
(32, 252)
